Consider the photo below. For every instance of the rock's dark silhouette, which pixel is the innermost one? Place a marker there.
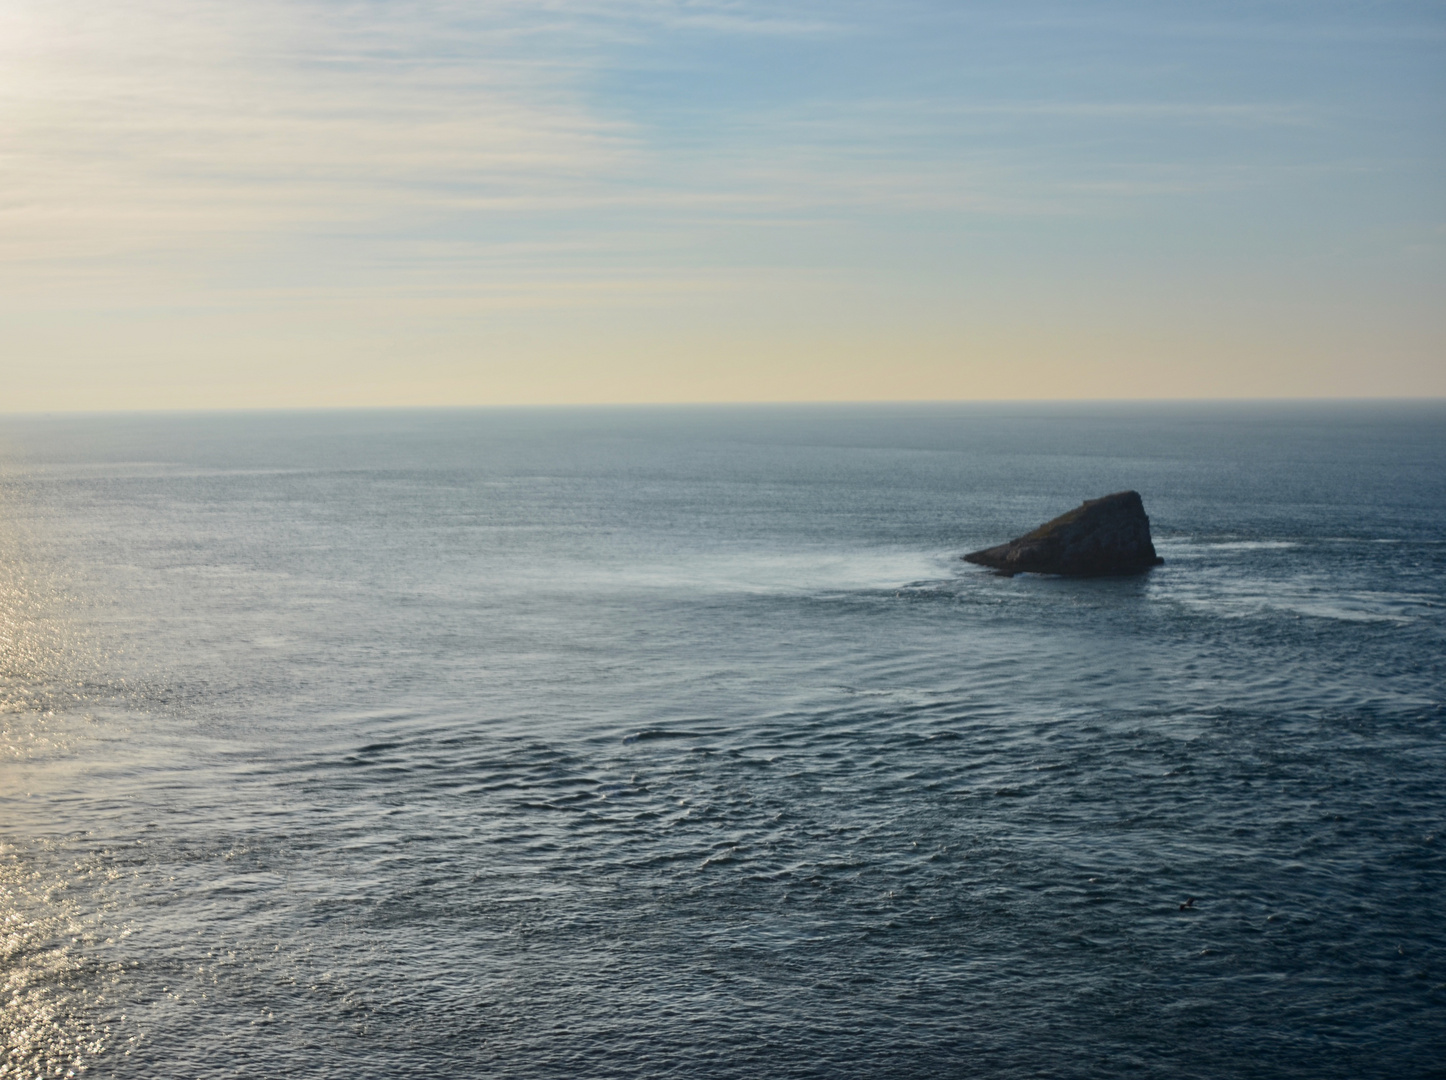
(1104, 536)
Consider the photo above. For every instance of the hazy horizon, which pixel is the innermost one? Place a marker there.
(1067, 404)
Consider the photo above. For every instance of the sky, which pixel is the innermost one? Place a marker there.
(316, 203)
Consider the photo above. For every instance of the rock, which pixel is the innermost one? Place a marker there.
(1104, 536)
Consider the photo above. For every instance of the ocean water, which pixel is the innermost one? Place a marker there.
(680, 743)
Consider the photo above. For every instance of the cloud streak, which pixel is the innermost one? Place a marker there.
(173, 123)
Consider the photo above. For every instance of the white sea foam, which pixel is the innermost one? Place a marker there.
(758, 572)
(1304, 597)
(1198, 548)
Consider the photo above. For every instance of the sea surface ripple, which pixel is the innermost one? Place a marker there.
(679, 742)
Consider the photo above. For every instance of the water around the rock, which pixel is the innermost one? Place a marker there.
(641, 743)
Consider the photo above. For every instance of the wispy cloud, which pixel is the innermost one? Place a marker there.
(180, 119)
(170, 125)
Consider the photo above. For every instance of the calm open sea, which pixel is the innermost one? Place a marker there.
(680, 743)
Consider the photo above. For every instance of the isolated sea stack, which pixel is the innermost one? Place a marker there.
(1104, 536)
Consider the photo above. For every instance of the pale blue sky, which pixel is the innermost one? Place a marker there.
(210, 204)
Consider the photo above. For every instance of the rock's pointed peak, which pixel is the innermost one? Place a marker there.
(1109, 535)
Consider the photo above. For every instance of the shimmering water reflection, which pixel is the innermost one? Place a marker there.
(679, 742)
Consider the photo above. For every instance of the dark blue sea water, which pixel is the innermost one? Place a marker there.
(680, 743)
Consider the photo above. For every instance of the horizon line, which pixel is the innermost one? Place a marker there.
(741, 403)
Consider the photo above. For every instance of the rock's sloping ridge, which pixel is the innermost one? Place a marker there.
(1104, 536)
